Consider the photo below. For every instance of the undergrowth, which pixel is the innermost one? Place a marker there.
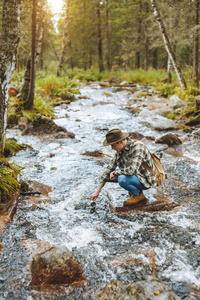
(8, 179)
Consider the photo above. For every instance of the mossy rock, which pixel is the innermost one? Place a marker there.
(194, 121)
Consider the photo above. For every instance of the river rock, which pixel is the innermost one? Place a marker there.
(138, 136)
(194, 121)
(169, 139)
(44, 125)
(95, 153)
(154, 121)
(39, 187)
(146, 206)
(196, 132)
(56, 266)
(123, 83)
(163, 111)
(175, 102)
(22, 123)
(151, 288)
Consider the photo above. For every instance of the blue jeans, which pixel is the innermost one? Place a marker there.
(130, 183)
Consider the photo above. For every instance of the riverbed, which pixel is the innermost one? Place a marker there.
(107, 246)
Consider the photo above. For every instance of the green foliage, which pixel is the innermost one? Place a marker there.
(47, 87)
(53, 85)
(43, 106)
(166, 90)
(171, 115)
(117, 75)
(185, 95)
(12, 147)
(15, 109)
(82, 75)
(8, 179)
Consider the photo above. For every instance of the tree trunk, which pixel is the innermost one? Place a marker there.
(155, 58)
(169, 70)
(168, 45)
(29, 104)
(8, 52)
(108, 63)
(27, 96)
(169, 62)
(100, 51)
(137, 54)
(146, 44)
(65, 39)
(196, 45)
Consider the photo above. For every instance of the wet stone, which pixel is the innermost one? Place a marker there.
(152, 288)
(169, 139)
(45, 125)
(56, 266)
(146, 206)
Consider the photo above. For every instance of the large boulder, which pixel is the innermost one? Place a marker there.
(56, 266)
(152, 288)
(44, 125)
(169, 139)
(176, 102)
(154, 121)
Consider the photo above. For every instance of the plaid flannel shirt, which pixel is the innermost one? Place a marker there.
(129, 161)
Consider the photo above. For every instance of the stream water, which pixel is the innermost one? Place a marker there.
(107, 246)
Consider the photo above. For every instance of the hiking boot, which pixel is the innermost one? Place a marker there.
(134, 199)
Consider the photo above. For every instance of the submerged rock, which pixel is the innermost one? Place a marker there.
(169, 139)
(152, 288)
(139, 136)
(44, 125)
(56, 266)
(96, 153)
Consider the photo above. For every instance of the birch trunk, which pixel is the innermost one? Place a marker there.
(169, 62)
(8, 53)
(168, 45)
(65, 39)
(196, 45)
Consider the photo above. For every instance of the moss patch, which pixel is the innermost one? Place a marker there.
(8, 180)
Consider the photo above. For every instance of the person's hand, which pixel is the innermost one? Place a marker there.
(112, 176)
(94, 196)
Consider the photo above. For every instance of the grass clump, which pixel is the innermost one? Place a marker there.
(8, 180)
(15, 109)
(53, 85)
(12, 147)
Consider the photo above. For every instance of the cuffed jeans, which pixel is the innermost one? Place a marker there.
(130, 183)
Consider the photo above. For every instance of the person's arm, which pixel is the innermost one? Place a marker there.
(95, 195)
(104, 178)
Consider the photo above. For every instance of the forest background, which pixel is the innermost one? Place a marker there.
(138, 41)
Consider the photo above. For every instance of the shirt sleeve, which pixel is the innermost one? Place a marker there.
(106, 175)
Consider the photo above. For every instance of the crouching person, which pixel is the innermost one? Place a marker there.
(130, 173)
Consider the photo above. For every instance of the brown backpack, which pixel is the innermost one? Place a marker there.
(159, 172)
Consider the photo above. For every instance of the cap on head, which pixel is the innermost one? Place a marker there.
(114, 136)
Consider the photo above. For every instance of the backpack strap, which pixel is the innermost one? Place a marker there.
(148, 168)
(145, 165)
